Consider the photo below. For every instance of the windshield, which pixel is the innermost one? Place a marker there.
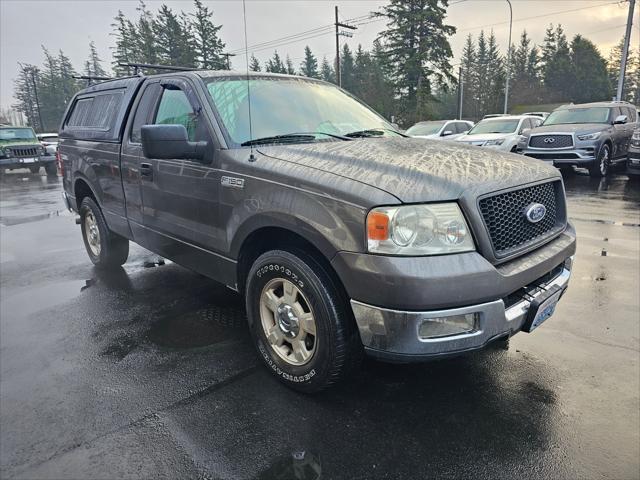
(578, 115)
(425, 128)
(16, 134)
(494, 126)
(282, 106)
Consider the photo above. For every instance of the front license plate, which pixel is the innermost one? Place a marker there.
(542, 308)
(29, 160)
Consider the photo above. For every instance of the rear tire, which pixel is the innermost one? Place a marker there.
(51, 168)
(602, 165)
(300, 321)
(105, 248)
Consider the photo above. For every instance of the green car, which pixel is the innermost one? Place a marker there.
(20, 148)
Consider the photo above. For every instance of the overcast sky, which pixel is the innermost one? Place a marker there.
(69, 25)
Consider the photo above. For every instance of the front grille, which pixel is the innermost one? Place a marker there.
(24, 151)
(553, 156)
(509, 229)
(551, 141)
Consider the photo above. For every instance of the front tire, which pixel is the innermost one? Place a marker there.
(300, 320)
(105, 248)
(34, 169)
(601, 167)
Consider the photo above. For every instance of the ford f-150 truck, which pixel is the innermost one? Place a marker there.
(343, 235)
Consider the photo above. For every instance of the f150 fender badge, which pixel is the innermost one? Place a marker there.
(232, 182)
(535, 212)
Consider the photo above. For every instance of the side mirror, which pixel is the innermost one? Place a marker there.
(525, 131)
(170, 141)
(446, 133)
(620, 120)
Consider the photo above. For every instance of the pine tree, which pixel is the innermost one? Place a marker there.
(309, 66)
(208, 45)
(469, 78)
(347, 69)
(417, 51)
(145, 38)
(326, 71)
(126, 44)
(590, 81)
(557, 69)
(525, 80)
(24, 92)
(254, 64)
(289, 66)
(173, 45)
(632, 72)
(93, 66)
(275, 65)
(69, 84)
(496, 80)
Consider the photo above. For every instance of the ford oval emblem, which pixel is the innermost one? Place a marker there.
(535, 212)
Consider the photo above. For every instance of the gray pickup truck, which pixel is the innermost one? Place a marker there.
(343, 235)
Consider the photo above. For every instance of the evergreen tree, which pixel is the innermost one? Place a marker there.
(289, 66)
(275, 65)
(24, 92)
(557, 68)
(93, 66)
(254, 64)
(417, 51)
(377, 90)
(361, 71)
(173, 45)
(326, 71)
(496, 77)
(347, 69)
(309, 66)
(145, 38)
(126, 44)
(589, 81)
(469, 78)
(525, 80)
(208, 45)
(69, 84)
(632, 72)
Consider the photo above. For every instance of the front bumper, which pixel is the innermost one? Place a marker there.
(19, 162)
(578, 156)
(394, 335)
(633, 162)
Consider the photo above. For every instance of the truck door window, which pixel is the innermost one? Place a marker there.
(175, 109)
(145, 106)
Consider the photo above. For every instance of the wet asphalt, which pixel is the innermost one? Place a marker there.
(149, 371)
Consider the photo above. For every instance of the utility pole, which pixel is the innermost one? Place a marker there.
(460, 93)
(345, 34)
(506, 87)
(625, 51)
(35, 93)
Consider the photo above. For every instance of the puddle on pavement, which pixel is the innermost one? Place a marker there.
(299, 465)
(199, 328)
(29, 300)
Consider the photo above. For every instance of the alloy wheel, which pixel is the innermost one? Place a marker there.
(93, 233)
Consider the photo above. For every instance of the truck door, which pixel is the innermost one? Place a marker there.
(180, 205)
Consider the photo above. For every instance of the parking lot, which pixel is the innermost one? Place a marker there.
(150, 372)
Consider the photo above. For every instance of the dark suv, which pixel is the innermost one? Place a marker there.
(592, 135)
(343, 235)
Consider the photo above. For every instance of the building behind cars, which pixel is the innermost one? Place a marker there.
(440, 129)
(500, 132)
(595, 136)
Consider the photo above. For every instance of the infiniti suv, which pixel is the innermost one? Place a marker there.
(595, 136)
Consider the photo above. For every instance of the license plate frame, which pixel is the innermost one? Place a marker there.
(29, 160)
(542, 308)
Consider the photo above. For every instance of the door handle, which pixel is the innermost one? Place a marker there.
(146, 171)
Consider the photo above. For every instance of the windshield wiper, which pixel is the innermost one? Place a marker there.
(287, 138)
(373, 132)
(292, 138)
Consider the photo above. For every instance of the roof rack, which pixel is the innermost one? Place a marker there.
(138, 66)
(91, 78)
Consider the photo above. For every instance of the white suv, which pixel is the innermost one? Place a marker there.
(501, 133)
(440, 129)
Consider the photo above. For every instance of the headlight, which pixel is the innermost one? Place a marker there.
(589, 136)
(418, 230)
(497, 141)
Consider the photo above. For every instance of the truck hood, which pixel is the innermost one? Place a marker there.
(570, 128)
(417, 170)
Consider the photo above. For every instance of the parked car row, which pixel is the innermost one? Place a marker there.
(596, 136)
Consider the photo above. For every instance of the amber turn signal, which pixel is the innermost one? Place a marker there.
(378, 226)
